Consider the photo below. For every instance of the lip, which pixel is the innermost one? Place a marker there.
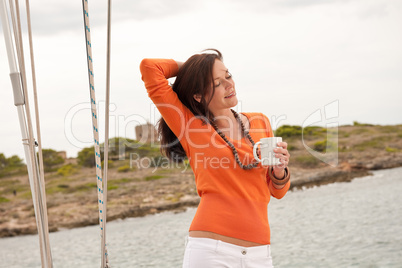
(232, 94)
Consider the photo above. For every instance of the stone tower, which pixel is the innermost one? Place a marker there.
(146, 133)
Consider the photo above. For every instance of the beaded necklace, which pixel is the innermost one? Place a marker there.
(245, 133)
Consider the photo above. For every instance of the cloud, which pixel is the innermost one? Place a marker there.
(50, 17)
(281, 6)
(360, 8)
(305, 3)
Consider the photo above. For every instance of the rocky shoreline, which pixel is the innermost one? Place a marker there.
(162, 196)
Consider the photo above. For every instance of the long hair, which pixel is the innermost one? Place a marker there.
(195, 77)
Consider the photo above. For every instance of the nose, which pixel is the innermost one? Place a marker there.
(228, 84)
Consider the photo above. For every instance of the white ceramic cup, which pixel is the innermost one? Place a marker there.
(267, 151)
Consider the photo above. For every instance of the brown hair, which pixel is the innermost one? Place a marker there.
(194, 78)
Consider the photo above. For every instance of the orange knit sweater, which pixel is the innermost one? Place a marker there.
(233, 200)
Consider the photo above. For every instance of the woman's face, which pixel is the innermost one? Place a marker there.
(225, 93)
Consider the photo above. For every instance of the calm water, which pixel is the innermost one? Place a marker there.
(357, 224)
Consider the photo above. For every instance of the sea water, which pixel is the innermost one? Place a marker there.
(356, 224)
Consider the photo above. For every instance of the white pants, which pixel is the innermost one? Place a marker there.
(210, 253)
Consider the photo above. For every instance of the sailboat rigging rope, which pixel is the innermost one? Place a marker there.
(102, 223)
(106, 146)
(35, 169)
(38, 133)
(37, 181)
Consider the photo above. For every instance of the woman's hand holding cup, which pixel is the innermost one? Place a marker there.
(282, 153)
(273, 153)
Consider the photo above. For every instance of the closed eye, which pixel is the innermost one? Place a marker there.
(229, 76)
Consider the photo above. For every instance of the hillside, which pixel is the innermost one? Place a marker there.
(147, 183)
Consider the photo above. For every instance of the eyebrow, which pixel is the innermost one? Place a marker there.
(226, 71)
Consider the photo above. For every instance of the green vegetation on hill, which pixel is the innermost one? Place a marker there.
(86, 157)
(10, 166)
(288, 131)
(51, 159)
(357, 124)
(359, 138)
(119, 148)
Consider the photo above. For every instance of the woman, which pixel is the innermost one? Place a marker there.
(230, 228)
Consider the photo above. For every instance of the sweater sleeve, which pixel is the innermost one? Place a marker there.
(278, 193)
(155, 73)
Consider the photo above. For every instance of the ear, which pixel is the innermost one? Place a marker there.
(197, 97)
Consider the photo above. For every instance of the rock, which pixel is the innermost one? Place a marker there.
(325, 177)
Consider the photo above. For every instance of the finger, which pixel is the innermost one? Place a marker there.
(282, 158)
(282, 144)
(281, 151)
(281, 166)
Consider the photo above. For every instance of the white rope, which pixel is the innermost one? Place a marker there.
(104, 259)
(42, 195)
(37, 180)
(106, 146)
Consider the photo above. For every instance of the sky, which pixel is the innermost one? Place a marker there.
(300, 62)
